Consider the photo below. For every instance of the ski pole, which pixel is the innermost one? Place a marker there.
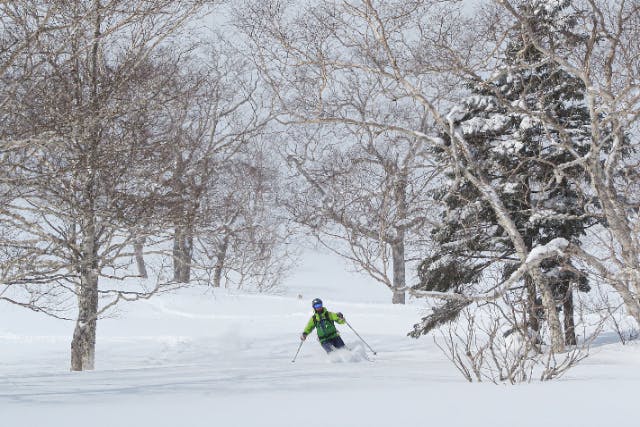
(354, 331)
(299, 347)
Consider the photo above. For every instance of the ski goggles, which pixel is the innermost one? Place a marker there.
(316, 306)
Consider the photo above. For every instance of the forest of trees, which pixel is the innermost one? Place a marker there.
(481, 155)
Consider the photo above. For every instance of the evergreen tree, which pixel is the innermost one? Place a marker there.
(521, 125)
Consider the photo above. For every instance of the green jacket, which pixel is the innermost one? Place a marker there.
(323, 323)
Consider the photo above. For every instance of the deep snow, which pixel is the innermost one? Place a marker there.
(202, 358)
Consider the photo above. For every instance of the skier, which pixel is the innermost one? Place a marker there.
(323, 321)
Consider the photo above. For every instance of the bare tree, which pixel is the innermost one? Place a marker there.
(242, 240)
(74, 183)
(368, 192)
(214, 123)
(480, 349)
(23, 28)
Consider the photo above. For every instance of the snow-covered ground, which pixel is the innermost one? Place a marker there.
(199, 358)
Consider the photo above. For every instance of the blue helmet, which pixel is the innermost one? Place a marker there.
(316, 303)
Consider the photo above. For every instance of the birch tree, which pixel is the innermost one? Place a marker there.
(217, 119)
(23, 27)
(72, 206)
(369, 193)
(243, 239)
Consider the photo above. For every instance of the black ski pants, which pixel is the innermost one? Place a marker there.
(332, 344)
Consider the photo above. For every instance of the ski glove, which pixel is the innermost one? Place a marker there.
(340, 315)
(303, 336)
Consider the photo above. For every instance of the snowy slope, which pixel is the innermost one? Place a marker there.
(197, 358)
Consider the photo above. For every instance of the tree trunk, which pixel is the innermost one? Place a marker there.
(182, 253)
(138, 248)
(630, 299)
(619, 226)
(549, 303)
(399, 281)
(397, 247)
(569, 322)
(83, 344)
(532, 309)
(399, 297)
(629, 290)
(177, 259)
(222, 254)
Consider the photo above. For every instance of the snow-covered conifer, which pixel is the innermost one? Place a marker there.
(504, 120)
